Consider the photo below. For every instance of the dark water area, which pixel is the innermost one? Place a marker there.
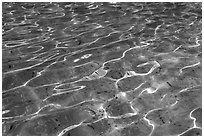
(101, 69)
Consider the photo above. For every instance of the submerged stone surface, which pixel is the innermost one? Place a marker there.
(101, 69)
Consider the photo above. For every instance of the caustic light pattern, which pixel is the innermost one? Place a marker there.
(101, 69)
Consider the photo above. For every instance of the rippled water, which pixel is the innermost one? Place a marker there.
(123, 69)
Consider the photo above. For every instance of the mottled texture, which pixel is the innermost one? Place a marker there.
(101, 69)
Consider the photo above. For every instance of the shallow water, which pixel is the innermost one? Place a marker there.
(122, 69)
